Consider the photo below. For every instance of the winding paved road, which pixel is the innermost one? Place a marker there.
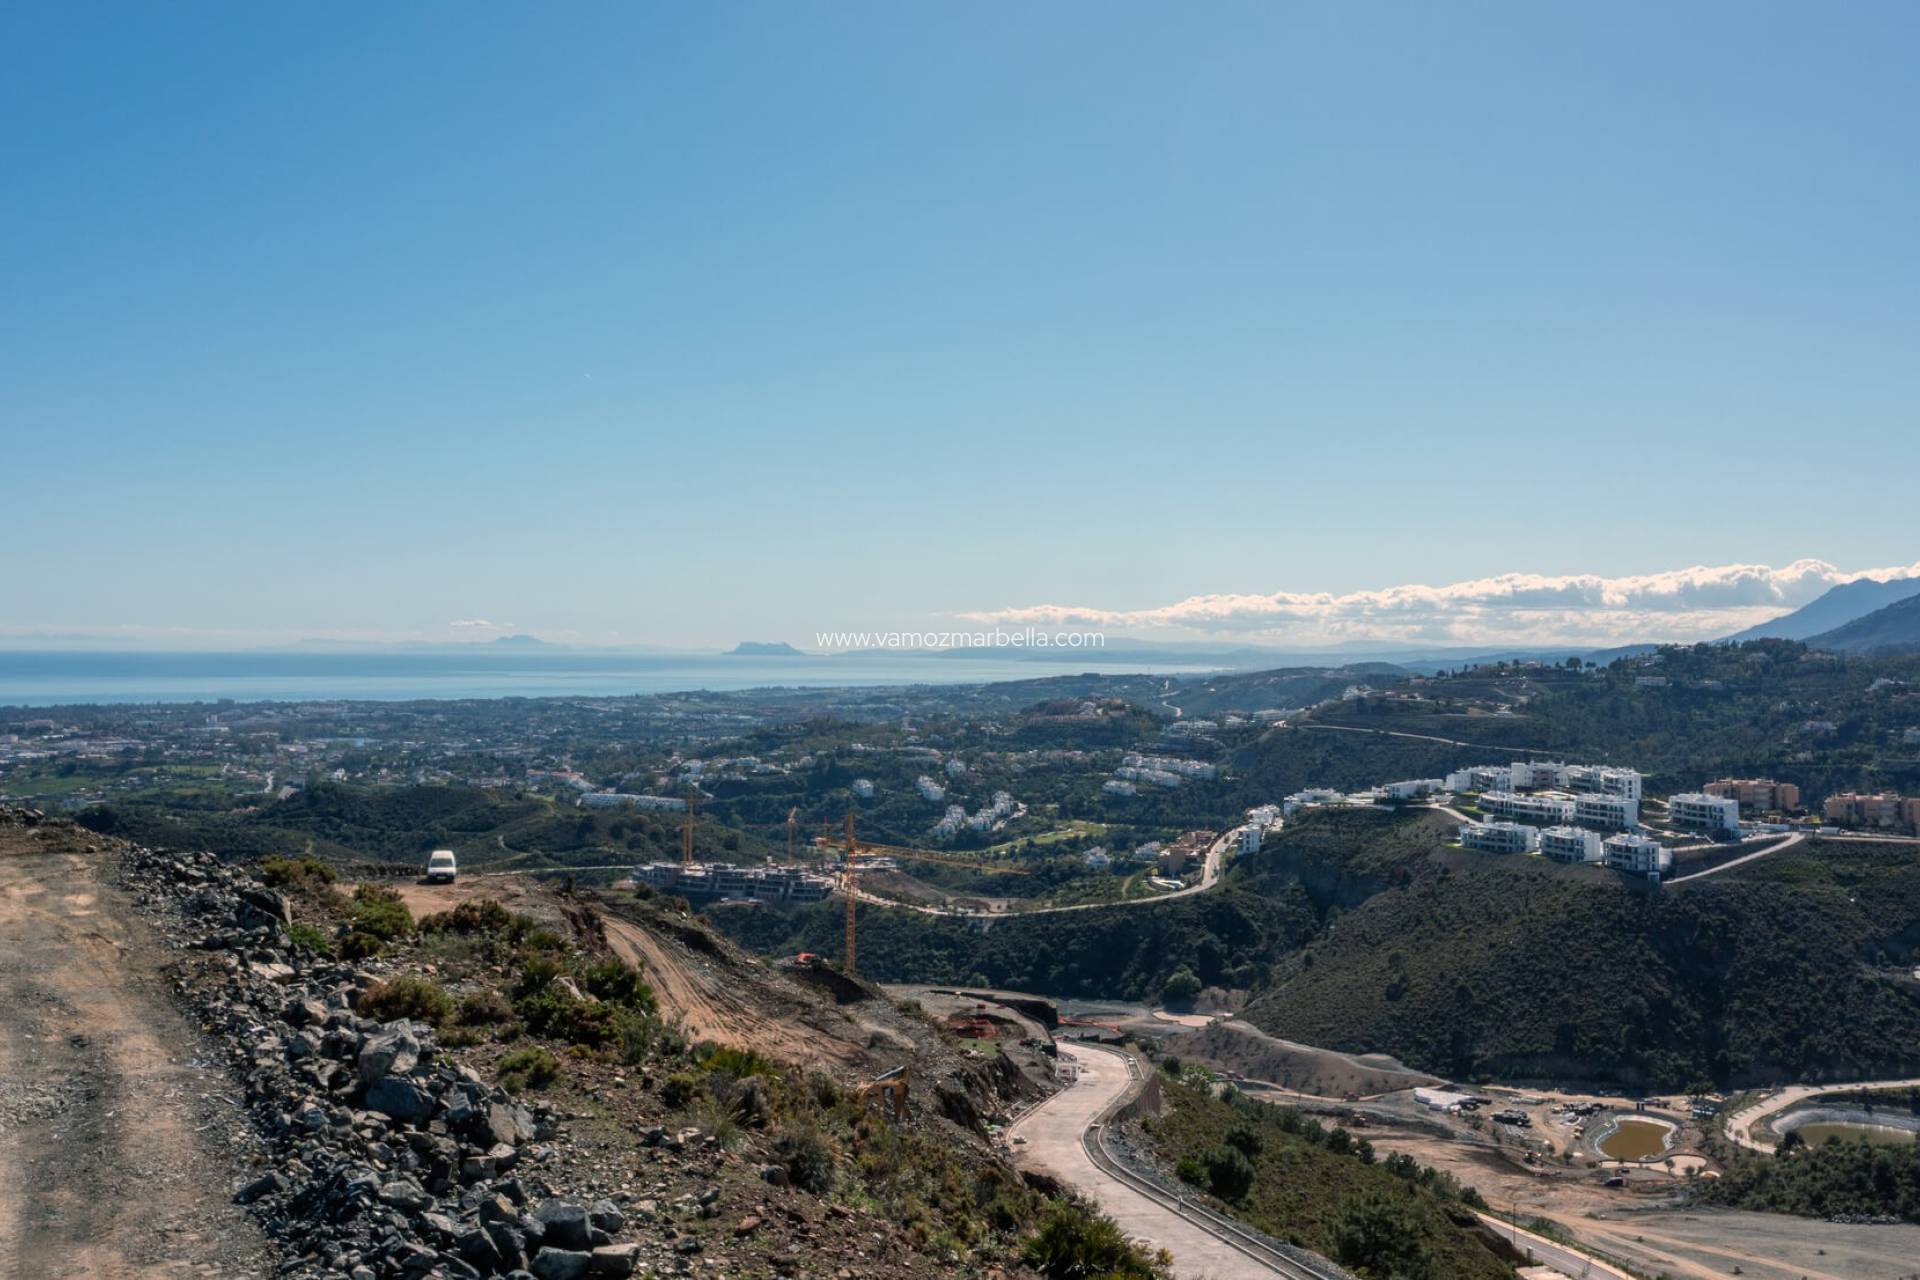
(1055, 1133)
(1787, 843)
(1209, 877)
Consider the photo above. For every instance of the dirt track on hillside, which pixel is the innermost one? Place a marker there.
(112, 1164)
(710, 1001)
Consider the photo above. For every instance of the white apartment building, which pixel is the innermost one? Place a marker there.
(1638, 854)
(614, 799)
(1412, 788)
(1608, 812)
(1486, 777)
(1311, 796)
(956, 768)
(1596, 777)
(929, 789)
(1538, 773)
(1500, 837)
(1698, 811)
(863, 787)
(1098, 859)
(1118, 787)
(1572, 844)
(1511, 804)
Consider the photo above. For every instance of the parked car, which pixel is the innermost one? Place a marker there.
(441, 867)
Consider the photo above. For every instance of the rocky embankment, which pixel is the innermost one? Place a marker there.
(389, 1160)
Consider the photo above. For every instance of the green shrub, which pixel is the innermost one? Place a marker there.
(306, 873)
(313, 939)
(407, 997)
(807, 1158)
(620, 984)
(379, 910)
(721, 1059)
(485, 915)
(360, 946)
(537, 973)
(681, 1088)
(486, 1008)
(1229, 1174)
(529, 1068)
(552, 1014)
(1075, 1243)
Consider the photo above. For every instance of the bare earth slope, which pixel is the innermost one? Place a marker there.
(112, 1160)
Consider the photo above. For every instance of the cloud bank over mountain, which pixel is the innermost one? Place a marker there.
(1698, 603)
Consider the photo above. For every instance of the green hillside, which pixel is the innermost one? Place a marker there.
(1321, 1189)
(1474, 966)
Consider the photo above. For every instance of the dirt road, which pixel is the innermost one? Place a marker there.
(1747, 1126)
(694, 989)
(112, 1138)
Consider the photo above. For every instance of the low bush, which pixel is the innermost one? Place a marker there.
(619, 983)
(313, 939)
(360, 946)
(305, 873)
(529, 1068)
(379, 910)
(808, 1160)
(1074, 1243)
(486, 1008)
(407, 997)
(483, 916)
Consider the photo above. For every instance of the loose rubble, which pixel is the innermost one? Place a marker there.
(390, 1160)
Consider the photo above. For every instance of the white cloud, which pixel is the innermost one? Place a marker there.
(1681, 604)
(479, 624)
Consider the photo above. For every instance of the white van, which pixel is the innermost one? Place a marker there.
(441, 867)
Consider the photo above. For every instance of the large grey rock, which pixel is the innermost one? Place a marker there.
(401, 1100)
(606, 1215)
(566, 1222)
(562, 1264)
(501, 1124)
(391, 1051)
(264, 908)
(616, 1260)
(405, 1193)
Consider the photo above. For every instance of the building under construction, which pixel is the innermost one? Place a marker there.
(770, 883)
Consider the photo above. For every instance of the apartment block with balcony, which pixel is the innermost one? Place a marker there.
(1698, 811)
(1572, 844)
(1606, 812)
(1500, 837)
(1638, 855)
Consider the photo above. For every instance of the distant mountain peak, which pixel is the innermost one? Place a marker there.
(764, 649)
(1839, 606)
(1894, 628)
(522, 642)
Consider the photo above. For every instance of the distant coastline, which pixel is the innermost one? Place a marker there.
(31, 678)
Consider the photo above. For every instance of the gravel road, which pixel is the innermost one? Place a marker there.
(116, 1147)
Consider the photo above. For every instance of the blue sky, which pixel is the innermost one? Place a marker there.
(686, 323)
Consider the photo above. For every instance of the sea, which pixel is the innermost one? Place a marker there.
(46, 679)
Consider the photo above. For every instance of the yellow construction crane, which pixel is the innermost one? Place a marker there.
(850, 890)
(686, 836)
(851, 849)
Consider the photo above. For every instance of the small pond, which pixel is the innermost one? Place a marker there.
(1635, 1139)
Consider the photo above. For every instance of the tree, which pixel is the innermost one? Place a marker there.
(1183, 986)
(1229, 1173)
